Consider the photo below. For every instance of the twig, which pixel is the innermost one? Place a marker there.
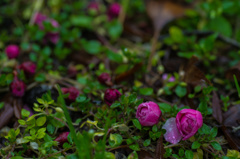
(53, 154)
(9, 154)
(206, 33)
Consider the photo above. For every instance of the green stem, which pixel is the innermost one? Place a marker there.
(69, 121)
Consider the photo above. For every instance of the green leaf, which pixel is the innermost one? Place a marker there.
(25, 113)
(115, 105)
(137, 124)
(216, 145)
(214, 132)
(189, 154)
(114, 56)
(195, 145)
(180, 91)
(22, 122)
(50, 128)
(134, 147)
(165, 108)
(114, 29)
(133, 155)
(220, 25)
(41, 121)
(81, 20)
(205, 129)
(17, 157)
(147, 142)
(181, 152)
(146, 91)
(154, 128)
(92, 46)
(115, 139)
(176, 34)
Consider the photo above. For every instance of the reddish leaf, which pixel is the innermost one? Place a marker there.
(217, 110)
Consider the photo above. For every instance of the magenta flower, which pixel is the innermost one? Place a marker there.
(148, 113)
(28, 67)
(62, 138)
(51, 36)
(12, 51)
(111, 95)
(188, 122)
(172, 134)
(17, 87)
(105, 78)
(113, 11)
(73, 93)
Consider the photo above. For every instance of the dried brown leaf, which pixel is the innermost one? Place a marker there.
(217, 110)
(6, 114)
(232, 116)
(160, 148)
(234, 142)
(193, 75)
(235, 70)
(129, 73)
(144, 155)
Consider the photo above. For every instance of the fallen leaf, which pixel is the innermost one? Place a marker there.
(6, 114)
(161, 12)
(235, 70)
(234, 142)
(160, 148)
(193, 75)
(144, 155)
(217, 110)
(128, 74)
(232, 116)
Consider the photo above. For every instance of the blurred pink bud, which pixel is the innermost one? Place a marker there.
(169, 79)
(12, 51)
(111, 95)
(113, 11)
(188, 122)
(73, 93)
(28, 67)
(105, 78)
(172, 134)
(62, 138)
(17, 87)
(93, 6)
(148, 113)
(51, 36)
(72, 71)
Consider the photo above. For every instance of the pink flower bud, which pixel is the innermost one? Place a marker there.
(148, 113)
(188, 122)
(172, 134)
(12, 51)
(111, 95)
(50, 36)
(73, 93)
(93, 6)
(62, 138)
(72, 71)
(113, 11)
(28, 67)
(105, 78)
(17, 87)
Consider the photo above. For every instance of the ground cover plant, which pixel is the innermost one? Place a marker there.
(123, 79)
